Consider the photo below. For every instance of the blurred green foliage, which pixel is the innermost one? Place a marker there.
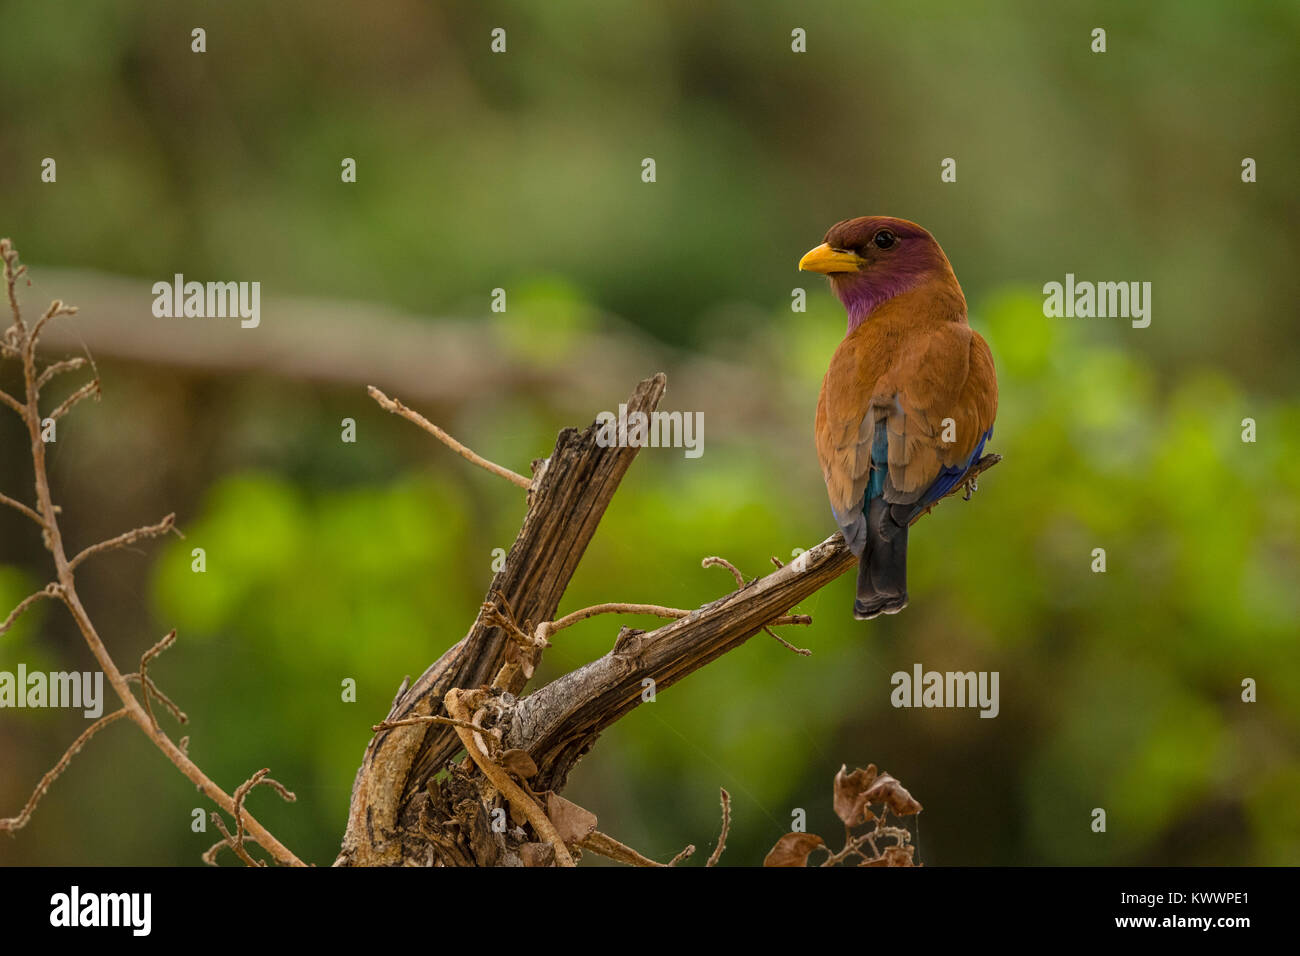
(479, 170)
(1119, 690)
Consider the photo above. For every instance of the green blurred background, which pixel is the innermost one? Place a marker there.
(521, 171)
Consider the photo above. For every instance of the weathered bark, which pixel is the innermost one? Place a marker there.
(570, 492)
(558, 723)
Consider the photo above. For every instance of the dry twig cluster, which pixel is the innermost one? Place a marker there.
(854, 795)
(19, 343)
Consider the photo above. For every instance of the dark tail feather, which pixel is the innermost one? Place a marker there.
(882, 569)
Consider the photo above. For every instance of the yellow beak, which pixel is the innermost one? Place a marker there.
(827, 260)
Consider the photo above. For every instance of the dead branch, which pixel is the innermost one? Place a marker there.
(402, 813)
(568, 498)
(557, 724)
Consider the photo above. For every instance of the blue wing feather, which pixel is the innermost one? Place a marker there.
(944, 482)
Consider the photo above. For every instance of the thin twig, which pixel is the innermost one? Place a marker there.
(90, 388)
(124, 539)
(152, 688)
(657, 610)
(145, 683)
(726, 825)
(850, 847)
(16, 823)
(50, 590)
(67, 365)
(242, 791)
(12, 271)
(602, 844)
(10, 400)
(427, 719)
(22, 508)
(236, 842)
(237, 845)
(715, 561)
(397, 408)
(686, 854)
(56, 308)
(801, 651)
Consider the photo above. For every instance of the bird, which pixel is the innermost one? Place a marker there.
(908, 401)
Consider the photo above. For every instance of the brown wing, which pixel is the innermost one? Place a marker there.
(845, 425)
(914, 382)
(946, 398)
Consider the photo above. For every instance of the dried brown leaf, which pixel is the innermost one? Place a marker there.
(850, 795)
(898, 856)
(572, 822)
(893, 795)
(793, 849)
(519, 763)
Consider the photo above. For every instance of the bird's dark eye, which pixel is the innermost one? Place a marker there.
(883, 239)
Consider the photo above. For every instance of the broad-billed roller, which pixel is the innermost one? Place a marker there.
(908, 401)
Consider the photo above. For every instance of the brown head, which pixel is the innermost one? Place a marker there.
(871, 259)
